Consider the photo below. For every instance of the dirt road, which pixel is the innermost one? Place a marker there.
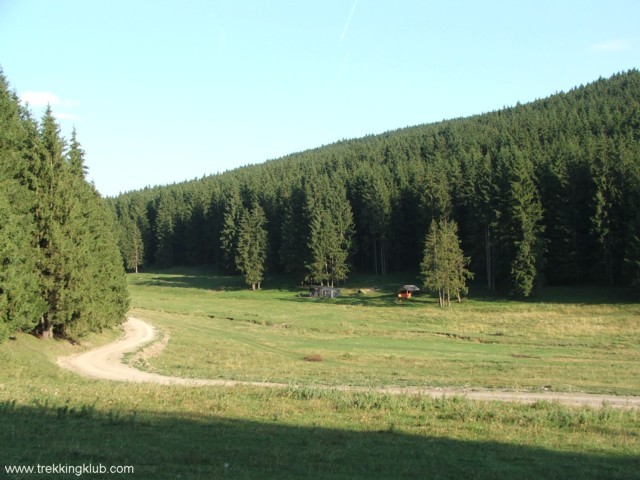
(106, 363)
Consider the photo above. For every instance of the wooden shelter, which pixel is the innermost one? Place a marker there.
(406, 291)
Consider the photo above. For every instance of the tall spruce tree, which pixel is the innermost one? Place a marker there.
(252, 246)
(631, 209)
(331, 230)
(20, 301)
(373, 198)
(52, 223)
(76, 157)
(59, 265)
(293, 251)
(73, 259)
(165, 226)
(230, 228)
(521, 223)
(104, 299)
(484, 217)
(130, 243)
(443, 267)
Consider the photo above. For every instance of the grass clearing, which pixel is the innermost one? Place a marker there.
(221, 330)
(51, 416)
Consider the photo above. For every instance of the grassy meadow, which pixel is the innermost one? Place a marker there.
(569, 340)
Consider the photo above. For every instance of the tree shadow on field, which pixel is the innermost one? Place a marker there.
(205, 279)
(218, 283)
(587, 295)
(364, 300)
(561, 295)
(170, 446)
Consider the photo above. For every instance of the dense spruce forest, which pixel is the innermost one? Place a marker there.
(542, 193)
(61, 272)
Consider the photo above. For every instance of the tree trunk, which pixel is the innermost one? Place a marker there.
(487, 243)
(46, 328)
(375, 254)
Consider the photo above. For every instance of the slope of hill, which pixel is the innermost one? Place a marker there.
(543, 192)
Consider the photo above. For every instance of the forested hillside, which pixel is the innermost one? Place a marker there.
(547, 192)
(60, 269)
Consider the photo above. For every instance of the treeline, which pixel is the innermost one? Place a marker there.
(60, 269)
(547, 192)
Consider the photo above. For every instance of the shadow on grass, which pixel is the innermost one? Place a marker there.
(376, 300)
(569, 295)
(384, 287)
(217, 283)
(172, 446)
(588, 295)
(205, 279)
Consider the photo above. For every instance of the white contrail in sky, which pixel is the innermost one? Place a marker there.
(613, 46)
(346, 25)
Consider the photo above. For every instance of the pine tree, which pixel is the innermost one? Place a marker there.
(76, 157)
(103, 299)
(457, 263)
(252, 246)
(373, 198)
(92, 292)
(320, 245)
(130, 243)
(605, 199)
(295, 227)
(165, 225)
(20, 301)
(432, 265)
(52, 223)
(484, 217)
(559, 194)
(632, 221)
(330, 232)
(443, 267)
(521, 223)
(229, 233)
(77, 266)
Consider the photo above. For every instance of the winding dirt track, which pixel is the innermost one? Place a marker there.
(106, 363)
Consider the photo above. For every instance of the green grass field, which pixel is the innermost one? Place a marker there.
(219, 329)
(586, 340)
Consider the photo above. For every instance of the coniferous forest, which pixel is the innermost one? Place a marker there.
(545, 193)
(60, 269)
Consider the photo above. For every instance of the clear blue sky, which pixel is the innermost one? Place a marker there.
(164, 91)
